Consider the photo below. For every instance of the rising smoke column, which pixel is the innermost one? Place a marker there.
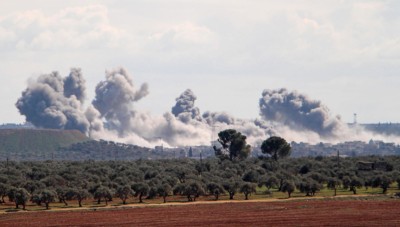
(299, 112)
(44, 104)
(74, 84)
(184, 108)
(115, 97)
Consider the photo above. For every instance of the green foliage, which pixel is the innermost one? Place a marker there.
(289, 187)
(231, 186)
(309, 186)
(62, 193)
(215, 189)
(46, 196)
(382, 181)
(276, 146)
(20, 197)
(141, 189)
(251, 176)
(164, 190)
(268, 181)
(102, 193)
(234, 143)
(3, 191)
(247, 189)
(123, 192)
(355, 183)
(32, 186)
(106, 180)
(77, 193)
(333, 183)
(191, 190)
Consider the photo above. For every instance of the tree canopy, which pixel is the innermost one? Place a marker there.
(277, 147)
(234, 145)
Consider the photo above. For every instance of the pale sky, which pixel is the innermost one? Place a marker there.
(344, 53)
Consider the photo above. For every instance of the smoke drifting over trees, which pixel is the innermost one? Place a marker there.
(51, 101)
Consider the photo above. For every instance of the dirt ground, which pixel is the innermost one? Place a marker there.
(339, 212)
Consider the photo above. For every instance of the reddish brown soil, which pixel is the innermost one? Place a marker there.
(284, 213)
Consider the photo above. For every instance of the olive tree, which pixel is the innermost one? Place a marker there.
(102, 193)
(123, 192)
(215, 189)
(3, 191)
(20, 197)
(288, 187)
(309, 186)
(62, 195)
(164, 190)
(231, 187)
(247, 189)
(79, 194)
(191, 190)
(382, 182)
(140, 189)
(333, 183)
(47, 196)
(355, 183)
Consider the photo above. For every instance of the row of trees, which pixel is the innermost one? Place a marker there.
(45, 182)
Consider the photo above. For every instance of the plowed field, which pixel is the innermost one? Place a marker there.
(282, 213)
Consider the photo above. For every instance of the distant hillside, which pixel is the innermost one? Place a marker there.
(35, 144)
(106, 150)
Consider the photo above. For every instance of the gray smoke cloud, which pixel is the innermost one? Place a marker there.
(218, 117)
(186, 112)
(299, 112)
(74, 84)
(44, 104)
(184, 108)
(51, 101)
(114, 99)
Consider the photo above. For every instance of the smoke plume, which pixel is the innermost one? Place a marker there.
(51, 101)
(299, 112)
(184, 108)
(74, 84)
(114, 100)
(218, 117)
(45, 105)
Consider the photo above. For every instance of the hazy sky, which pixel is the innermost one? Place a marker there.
(344, 53)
